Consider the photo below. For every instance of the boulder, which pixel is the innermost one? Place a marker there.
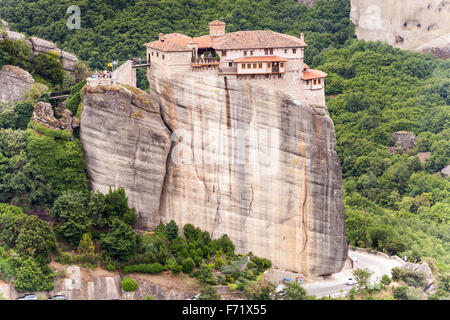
(14, 83)
(429, 286)
(423, 156)
(43, 113)
(406, 140)
(446, 171)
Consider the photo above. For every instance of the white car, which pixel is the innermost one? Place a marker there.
(350, 282)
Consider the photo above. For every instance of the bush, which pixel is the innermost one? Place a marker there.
(144, 268)
(173, 265)
(30, 276)
(232, 287)
(386, 280)
(397, 273)
(188, 265)
(400, 293)
(209, 293)
(129, 284)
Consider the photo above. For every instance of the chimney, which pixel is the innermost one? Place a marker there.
(216, 28)
(161, 37)
(302, 37)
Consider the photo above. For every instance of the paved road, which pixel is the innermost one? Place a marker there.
(379, 265)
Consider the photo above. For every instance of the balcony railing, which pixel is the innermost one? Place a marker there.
(205, 61)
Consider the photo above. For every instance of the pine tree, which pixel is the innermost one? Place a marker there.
(86, 245)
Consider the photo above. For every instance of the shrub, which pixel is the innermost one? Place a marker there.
(188, 265)
(397, 273)
(30, 276)
(129, 284)
(386, 280)
(144, 268)
(209, 293)
(294, 291)
(400, 293)
(232, 287)
(86, 246)
(173, 265)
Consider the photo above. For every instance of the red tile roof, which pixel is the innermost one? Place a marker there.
(172, 42)
(261, 59)
(257, 39)
(313, 74)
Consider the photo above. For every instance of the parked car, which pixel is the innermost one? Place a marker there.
(28, 296)
(350, 282)
(58, 297)
(194, 297)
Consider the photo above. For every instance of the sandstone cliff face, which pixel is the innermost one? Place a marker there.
(256, 165)
(246, 161)
(14, 83)
(411, 24)
(126, 145)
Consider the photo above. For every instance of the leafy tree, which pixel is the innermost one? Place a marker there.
(172, 230)
(294, 291)
(362, 277)
(117, 206)
(121, 240)
(30, 276)
(157, 249)
(259, 291)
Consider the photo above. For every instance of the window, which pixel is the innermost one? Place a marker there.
(152, 53)
(157, 54)
(148, 58)
(251, 52)
(230, 64)
(315, 82)
(224, 53)
(254, 66)
(163, 57)
(294, 51)
(282, 65)
(245, 53)
(266, 51)
(271, 51)
(260, 66)
(285, 50)
(249, 66)
(319, 81)
(243, 66)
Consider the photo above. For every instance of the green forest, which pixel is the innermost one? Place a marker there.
(393, 202)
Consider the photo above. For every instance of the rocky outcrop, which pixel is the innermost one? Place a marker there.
(429, 286)
(14, 83)
(404, 141)
(423, 156)
(38, 45)
(309, 3)
(257, 165)
(412, 24)
(43, 114)
(446, 171)
(126, 145)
